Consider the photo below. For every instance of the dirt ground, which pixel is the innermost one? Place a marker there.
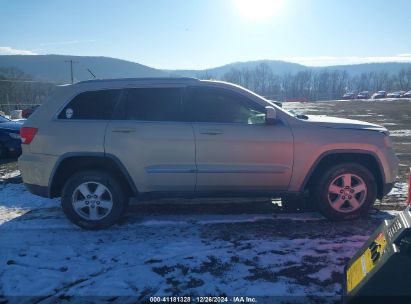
(236, 248)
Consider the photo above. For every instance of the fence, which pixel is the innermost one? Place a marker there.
(7, 107)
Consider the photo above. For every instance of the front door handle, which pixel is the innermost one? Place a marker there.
(124, 130)
(211, 131)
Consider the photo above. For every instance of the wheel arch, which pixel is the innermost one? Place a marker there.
(70, 163)
(366, 158)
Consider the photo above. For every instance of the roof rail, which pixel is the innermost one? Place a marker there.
(142, 79)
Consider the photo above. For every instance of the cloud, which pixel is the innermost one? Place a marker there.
(334, 60)
(6, 50)
(65, 42)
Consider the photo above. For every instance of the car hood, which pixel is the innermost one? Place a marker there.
(10, 125)
(343, 123)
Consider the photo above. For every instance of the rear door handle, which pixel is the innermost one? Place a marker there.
(211, 131)
(124, 130)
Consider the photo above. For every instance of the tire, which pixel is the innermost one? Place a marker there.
(345, 191)
(93, 200)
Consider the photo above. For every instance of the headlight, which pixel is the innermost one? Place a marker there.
(14, 135)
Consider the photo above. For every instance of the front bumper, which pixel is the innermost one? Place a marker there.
(389, 164)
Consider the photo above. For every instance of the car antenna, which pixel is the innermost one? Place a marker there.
(91, 73)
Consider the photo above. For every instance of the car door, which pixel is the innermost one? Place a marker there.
(155, 146)
(235, 149)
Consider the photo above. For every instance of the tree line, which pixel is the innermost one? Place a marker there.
(324, 84)
(18, 90)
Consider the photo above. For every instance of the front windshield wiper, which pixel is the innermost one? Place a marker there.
(302, 116)
(298, 115)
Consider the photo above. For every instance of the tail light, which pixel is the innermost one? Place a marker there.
(27, 134)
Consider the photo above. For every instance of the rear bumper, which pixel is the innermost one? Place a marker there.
(36, 170)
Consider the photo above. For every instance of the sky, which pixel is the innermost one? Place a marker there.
(198, 34)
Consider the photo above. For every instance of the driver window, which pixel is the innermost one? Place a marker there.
(221, 106)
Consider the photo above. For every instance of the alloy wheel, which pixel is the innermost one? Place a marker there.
(92, 201)
(347, 192)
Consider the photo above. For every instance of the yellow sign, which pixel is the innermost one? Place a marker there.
(366, 262)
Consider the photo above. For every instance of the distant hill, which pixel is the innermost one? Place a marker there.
(282, 67)
(54, 68)
(277, 66)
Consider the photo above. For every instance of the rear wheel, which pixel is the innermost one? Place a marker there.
(93, 200)
(345, 191)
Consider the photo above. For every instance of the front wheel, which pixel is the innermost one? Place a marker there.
(93, 200)
(345, 191)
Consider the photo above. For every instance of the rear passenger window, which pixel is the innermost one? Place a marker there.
(97, 105)
(153, 104)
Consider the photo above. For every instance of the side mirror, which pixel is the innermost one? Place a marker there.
(270, 115)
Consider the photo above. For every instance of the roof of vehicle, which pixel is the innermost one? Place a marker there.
(145, 79)
(118, 83)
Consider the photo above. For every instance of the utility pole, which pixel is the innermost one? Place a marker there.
(71, 68)
(8, 102)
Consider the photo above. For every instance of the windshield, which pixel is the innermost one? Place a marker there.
(3, 119)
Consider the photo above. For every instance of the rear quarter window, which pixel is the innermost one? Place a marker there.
(95, 105)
